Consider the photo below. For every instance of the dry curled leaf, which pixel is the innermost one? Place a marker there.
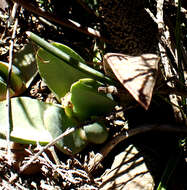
(136, 73)
(3, 5)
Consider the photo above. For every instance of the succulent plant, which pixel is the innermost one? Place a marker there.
(38, 122)
(27, 120)
(56, 73)
(34, 121)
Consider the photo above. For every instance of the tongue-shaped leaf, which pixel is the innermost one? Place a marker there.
(38, 122)
(57, 74)
(3, 89)
(27, 119)
(87, 101)
(17, 84)
(57, 122)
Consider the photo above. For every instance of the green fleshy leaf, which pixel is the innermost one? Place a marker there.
(57, 122)
(27, 118)
(25, 61)
(3, 89)
(68, 56)
(87, 101)
(38, 122)
(57, 74)
(16, 82)
(95, 133)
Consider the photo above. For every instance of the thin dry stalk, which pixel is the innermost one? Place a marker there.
(9, 110)
(65, 22)
(67, 132)
(168, 69)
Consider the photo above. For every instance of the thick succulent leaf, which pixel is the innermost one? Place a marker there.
(3, 89)
(95, 133)
(25, 61)
(57, 74)
(57, 122)
(69, 57)
(17, 83)
(87, 101)
(27, 118)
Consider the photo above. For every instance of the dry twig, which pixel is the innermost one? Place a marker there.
(68, 131)
(65, 22)
(9, 110)
(168, 69)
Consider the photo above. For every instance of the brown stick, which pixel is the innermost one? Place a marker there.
(68, 131)
(9, 107)
(65, 22)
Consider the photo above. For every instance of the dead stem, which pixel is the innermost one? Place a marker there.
(168, 69)
(9, 110)
(65, 22)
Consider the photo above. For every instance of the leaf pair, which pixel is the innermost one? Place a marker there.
(62, 78)
(137, 74)
(35, 121)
